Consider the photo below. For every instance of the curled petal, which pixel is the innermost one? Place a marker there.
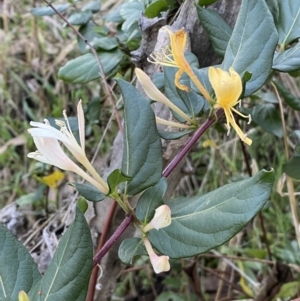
(160, 263)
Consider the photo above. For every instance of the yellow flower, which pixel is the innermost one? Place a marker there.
(228, 88)
(174, 57)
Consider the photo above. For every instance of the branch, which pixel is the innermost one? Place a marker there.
(93, 50)
(172, 165)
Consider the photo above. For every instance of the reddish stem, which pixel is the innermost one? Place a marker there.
(105, 231)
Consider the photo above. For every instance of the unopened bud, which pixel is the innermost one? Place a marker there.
(161, 219)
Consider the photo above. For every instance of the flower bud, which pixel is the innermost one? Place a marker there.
(23, 296)
(159, 263)
(161, 218)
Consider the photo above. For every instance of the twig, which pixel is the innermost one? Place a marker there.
(107, 87)
(123, 226)
(106, 228)
(289, 181)
(209, 122)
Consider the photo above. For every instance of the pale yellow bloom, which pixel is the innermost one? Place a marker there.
(174, 57)
(161, 218)
(23, 296)
(159, 263)
(49, 150)
(154, 94)
(228, 88)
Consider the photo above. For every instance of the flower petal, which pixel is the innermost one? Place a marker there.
(227, 86)
(81, 124)
(161, 218)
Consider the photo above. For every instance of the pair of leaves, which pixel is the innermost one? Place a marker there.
(201, 223)
(66, 278)
(145, 209)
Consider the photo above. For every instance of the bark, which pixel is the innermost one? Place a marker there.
(155, 39)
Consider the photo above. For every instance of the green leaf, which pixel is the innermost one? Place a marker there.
(154, 9)
(266, 115)
(18, 271)
(131, 12)
(150, 200)
(252, 44)
(89, 33)
(142, 156)
(219, 32)
(80, 18)
(82, 204)
(48, 11)
(274, 9)
(32, 197)
(105, 43)
(292, 167)
(89, 191)
(93, 6)
(67, 277)
(85, 67)
(131, 247)
(114, 16)
(201, 223)
(115, 178)
(174, 135)
(290, 99)
(288, 60)
(288, 25)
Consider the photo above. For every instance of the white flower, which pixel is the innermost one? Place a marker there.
(153, 93)
(46, 139)
(159, 263)
(161, 218)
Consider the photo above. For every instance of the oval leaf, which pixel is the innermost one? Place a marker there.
(219, 32)
(252, 44)
(288, 22)
(267, 116)
(48, 11)
(89, 191)
(142, 156)
(67, 277)
(80, 18)
(131, 247)
(288, 60)
(93, 6)
(292, 168)
(150, 200)
(18, 271)
(204, 222)
(85, 67)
